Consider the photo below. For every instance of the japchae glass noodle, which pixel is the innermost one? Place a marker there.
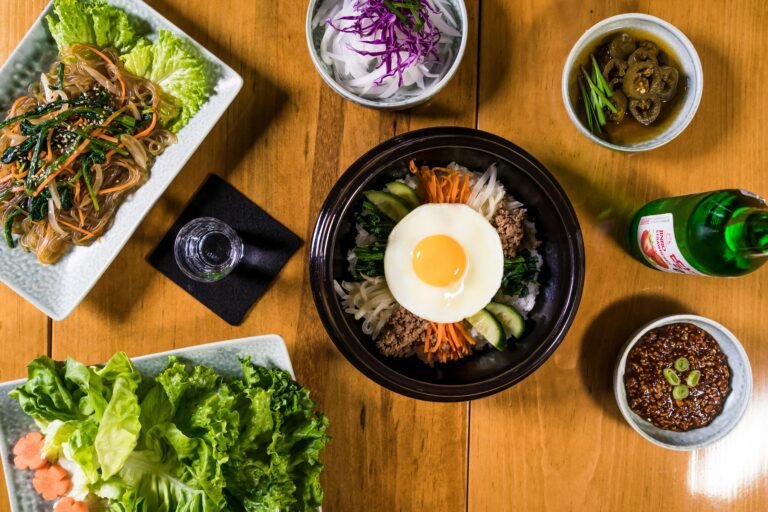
(83, 137)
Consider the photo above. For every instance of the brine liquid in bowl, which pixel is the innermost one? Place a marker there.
(629, 131)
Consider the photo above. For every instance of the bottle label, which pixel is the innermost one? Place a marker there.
(656, 238)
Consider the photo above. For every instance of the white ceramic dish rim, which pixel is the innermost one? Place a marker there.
(676, 128)
(395, 105)
(179, 352)
(101, 268)
(620, 392)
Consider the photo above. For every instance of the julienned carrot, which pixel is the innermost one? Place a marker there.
(28, 452)
(149, 129)
(116, 189)
(49, 155)
(77, 228)
(68, 504)
(441, 185)
(106, 137)
(6, 178)
(52, 176)
(447, 342)
(52, 482)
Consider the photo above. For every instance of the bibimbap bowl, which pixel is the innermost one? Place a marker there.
(486, 370)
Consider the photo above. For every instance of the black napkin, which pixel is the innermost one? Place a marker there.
(268, 245)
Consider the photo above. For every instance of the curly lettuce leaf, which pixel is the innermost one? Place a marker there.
(92, 22)
(179, 70)
(275, 464)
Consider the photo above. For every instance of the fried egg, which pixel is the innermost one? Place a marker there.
(444, 262)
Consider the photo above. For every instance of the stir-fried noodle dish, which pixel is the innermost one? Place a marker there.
(83, 137)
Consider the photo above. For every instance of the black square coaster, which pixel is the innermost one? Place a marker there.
(268, 245)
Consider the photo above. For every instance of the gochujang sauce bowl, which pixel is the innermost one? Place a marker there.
(735, 404)
(672, 41)
(562, 277)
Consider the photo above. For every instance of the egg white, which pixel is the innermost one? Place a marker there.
(481, 279)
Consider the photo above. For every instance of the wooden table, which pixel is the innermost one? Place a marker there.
(555, 442)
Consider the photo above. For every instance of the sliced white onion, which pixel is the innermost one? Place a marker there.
(14, 138)
(46, 87)
(136, 149)
(134, 110)
(360, 74)
(55, 194)
(52, 219)
(98, 178)
(103, 81)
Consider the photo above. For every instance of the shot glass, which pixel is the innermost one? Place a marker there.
(207, 249)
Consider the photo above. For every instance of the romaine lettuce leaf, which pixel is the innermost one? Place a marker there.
(92, 22)
(178, 69)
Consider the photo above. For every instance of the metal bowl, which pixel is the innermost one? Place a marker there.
(402, 99)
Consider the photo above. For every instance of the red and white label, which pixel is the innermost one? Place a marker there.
(656, 237)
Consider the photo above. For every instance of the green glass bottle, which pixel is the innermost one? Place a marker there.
(720, 233)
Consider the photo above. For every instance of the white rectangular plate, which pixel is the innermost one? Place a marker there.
(57, 289)
(268, 350)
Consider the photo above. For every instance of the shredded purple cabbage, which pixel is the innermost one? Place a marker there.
(377, 24)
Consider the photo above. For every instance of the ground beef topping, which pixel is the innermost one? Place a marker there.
(652, 374)
(510, 225)
(402, 333)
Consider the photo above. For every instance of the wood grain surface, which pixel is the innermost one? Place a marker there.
(555, 442)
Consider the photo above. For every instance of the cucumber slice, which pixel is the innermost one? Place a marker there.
(405, 193)
(512, 321)
(389, 204)
(487, 325)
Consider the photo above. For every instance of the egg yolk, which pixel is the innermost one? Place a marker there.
(439, 260)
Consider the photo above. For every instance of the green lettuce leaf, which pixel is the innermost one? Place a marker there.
(45, 396)
(275, 464)
(119, 428)
(95, 396)
(74, 440)
(81, 448)
(179, 70)
(175, 473)
(92, 22)
(188, 441)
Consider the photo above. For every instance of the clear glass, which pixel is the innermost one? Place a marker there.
(207, 249)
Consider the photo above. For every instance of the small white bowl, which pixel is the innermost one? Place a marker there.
(398, 101)
(683, 50)
(735, 403)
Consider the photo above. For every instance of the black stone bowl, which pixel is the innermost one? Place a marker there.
(487, 371)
